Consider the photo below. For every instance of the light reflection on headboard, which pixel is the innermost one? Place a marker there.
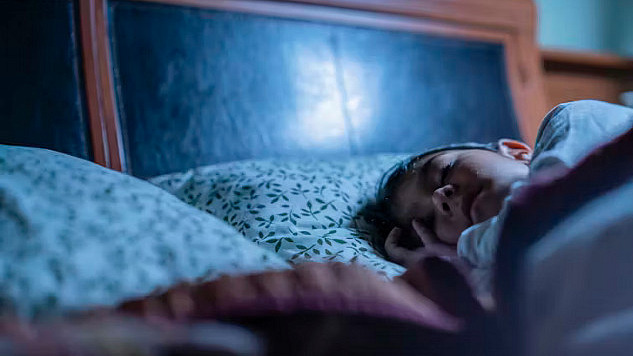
(357, 77)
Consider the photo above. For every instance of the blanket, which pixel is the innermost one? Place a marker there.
(566, 238)
(314, 309)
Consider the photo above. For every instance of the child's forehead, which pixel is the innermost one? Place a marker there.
(425, 161)
(422, 164)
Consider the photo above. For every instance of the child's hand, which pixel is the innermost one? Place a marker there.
(397, 253)
(432, 246)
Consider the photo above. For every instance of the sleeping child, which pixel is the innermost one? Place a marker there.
(451, 201)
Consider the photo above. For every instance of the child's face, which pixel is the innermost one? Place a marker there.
(452, 190)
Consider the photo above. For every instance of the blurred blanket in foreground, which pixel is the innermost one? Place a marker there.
(565, 258)
(314, 309)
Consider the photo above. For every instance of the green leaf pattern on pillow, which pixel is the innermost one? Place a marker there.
(304, 210)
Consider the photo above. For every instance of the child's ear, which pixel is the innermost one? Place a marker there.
(515, 149)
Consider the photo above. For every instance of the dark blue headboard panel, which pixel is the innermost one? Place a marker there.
(200, 86)
(40, 84)
(409, 91)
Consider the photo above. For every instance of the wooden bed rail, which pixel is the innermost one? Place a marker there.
(99, 83)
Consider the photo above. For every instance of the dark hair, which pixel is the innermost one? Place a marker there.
(380, 214)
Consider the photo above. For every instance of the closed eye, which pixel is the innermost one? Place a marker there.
(444, 173)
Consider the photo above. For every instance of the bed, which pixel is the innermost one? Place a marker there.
(274, 117)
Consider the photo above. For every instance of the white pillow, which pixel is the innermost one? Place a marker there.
(304, 210)
(74, 234)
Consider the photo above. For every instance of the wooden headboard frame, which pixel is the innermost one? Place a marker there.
(509, 22)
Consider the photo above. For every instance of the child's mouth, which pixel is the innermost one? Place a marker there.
(470, 205)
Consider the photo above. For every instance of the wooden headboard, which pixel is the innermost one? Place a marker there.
(165, 85)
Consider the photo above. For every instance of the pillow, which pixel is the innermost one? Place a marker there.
(304, 210)
(74, 234)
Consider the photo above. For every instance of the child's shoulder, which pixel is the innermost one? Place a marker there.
(571, 130)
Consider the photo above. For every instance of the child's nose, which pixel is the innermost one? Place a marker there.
(444, 199)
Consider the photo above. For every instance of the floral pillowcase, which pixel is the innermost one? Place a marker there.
(304, 210)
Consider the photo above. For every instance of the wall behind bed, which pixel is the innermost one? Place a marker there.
(161, 86)
(41, 87)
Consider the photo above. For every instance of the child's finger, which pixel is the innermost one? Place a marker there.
(391, 244)
(393, 238)
(427, 236)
